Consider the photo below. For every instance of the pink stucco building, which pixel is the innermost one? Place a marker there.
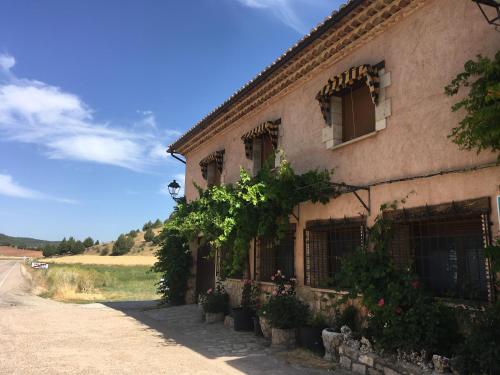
(363, 94)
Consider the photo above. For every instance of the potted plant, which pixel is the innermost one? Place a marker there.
(285, 311)
(309, 335)
(243, 315)
(215, 304)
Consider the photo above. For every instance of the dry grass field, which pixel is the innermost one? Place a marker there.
(123, 260)
(9, 251)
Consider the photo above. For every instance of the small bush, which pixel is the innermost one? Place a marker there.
(149, 235)
(122, 245)
(88, 242)
(216, 300)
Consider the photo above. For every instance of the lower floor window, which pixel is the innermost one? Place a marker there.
(272, 256)
(326, 244)
(446, 253)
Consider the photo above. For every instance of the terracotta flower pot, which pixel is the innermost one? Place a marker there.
(265, 326)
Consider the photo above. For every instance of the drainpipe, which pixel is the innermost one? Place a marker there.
(176, 157)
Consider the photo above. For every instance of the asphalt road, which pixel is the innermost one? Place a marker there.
(41, 336)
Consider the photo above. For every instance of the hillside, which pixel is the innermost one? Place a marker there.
(24, 242)
(140, 247)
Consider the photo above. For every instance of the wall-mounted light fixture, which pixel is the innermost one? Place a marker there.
(490, 7)
(173, 189)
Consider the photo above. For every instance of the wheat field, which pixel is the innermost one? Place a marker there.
(123, 260)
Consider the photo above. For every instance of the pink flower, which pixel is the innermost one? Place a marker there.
(272, 278)
(275, 293)
(398, 310)
(381, 302)
(209, 291)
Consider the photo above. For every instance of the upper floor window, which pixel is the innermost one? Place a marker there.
(353, 111)
(261, 143)
(211, 168)
(348, 102)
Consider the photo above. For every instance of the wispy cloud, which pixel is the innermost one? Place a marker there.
(293, 13)
(11, 188)
(65, 127)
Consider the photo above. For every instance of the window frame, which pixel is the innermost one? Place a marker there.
(328, 226)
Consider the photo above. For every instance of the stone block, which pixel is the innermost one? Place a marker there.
(211, 318)
(327, 133)
(372, 371)
(359, 368)
(381, 124)
(345, 362)
(229, 321)
(367, 359)
(390, 371)
(385, 79)
(283, 337)
(351, 353)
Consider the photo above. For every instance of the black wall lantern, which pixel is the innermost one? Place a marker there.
(173, 189)
(484, 5)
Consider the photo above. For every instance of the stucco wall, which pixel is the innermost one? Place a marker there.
(422, 53)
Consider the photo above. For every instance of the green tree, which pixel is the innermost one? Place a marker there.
(157, 223)
(122, 245)
(49, 251)
(480, 128)
(132, 233)
(63, 246)
(97, 242)
(147, 225)
(88, 242)
(149, 235)
(78, 247)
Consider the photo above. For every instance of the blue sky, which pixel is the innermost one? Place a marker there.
(92, 92)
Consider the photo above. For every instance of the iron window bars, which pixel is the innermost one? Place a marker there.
(326, 243)
(272, 256)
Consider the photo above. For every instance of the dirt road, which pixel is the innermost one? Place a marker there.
(40, 336)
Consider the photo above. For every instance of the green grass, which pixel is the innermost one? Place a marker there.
(96, 283)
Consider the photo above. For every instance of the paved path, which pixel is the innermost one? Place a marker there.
(39, 336)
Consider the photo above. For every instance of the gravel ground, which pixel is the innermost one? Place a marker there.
(40, 336)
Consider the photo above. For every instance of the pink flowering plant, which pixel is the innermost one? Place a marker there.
(215, 300)
(283, 309)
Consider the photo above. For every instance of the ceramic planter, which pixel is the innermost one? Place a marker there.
(265, 327)
(242, 319)
(284, 337)
(331, 341)
(311, 338)
(214, 317)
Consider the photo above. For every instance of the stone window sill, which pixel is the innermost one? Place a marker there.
(358, 139)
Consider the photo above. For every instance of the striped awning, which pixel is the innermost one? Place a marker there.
(269, 127)
(217, 157)
(366, 73)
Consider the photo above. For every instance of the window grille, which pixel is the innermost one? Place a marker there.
(326, 243)
(447, 253)
(272, 256)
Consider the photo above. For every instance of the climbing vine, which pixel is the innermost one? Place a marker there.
(229, 217)
(480, 128)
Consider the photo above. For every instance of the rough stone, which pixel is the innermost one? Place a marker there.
(211, 318)
(372, 371)
(441, 364)
(345, 362)
(366, 346)
(390, 371)
(368, 360)
(265, 327)
(359, 368)
(350, 352)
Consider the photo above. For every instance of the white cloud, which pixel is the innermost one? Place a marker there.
(65, 128)
(293, 13)
(11, 188)
(7, 61)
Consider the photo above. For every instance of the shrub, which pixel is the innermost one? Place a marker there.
(480, 352)
(216, 300)
(149, 235)
(132, 233)
(88, 242)
(317, 320)
(49, 251)
(174, 263)
(348, 317)
(249, 295)
(283, 309)
(122, 245)
(158, 223)
(147, 226)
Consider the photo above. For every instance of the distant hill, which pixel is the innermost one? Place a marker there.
(24, 242)
(140, 247)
